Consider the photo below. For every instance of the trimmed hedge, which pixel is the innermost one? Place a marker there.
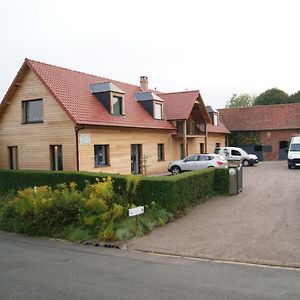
(170, 192)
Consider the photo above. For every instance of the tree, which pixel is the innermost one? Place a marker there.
(272, 96)
(242, 100)
(294, 98)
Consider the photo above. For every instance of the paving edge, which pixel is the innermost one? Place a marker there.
(259, 263)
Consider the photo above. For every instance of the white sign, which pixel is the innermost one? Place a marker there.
(85, 139)
(136, 211)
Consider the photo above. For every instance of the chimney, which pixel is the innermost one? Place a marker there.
(144, 83)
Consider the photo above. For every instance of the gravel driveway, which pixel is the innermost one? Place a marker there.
(260, 225)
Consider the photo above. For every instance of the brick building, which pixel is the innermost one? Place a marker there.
(273, 125)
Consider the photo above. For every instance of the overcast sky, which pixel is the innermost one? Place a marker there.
(219, 47)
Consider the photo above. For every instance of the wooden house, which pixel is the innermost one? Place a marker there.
(59, 119)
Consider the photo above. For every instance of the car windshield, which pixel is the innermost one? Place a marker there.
(244, 152)
(295, 147)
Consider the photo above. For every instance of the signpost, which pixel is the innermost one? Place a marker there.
(136, 211)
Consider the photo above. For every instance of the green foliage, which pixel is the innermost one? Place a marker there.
(221, 181)
(15, 180)
(242, 100)
(294, 98)
(176, 192)
(244, 138)
(272, 96)
(169, 192)
(67, 213)
(77, 234)
(79, 210)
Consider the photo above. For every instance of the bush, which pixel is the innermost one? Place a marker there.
(68, 213)
(169, 192)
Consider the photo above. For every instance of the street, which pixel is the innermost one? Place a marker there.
(38, 268)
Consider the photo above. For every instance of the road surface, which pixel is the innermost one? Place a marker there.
(37, 268)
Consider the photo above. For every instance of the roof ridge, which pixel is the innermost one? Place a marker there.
(89, 74)
(255, 106)
(180, 92)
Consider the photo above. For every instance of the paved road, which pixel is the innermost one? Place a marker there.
(260, 225)
(35, 268)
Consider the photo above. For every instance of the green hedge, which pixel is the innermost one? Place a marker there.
(170, 192)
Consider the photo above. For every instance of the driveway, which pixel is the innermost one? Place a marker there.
(260, 225)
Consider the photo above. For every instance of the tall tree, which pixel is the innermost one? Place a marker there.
(272, 96)
(294, 98)
(242, 100)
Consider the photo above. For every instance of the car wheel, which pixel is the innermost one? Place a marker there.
(175, 170)
(245, 163)
(289, 166)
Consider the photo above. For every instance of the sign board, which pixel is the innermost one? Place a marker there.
(136, 211)
(85, 139)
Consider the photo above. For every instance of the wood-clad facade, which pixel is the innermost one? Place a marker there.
(57, 140)
(33, 140)
(119, 141)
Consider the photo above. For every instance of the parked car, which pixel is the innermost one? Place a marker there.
(237, 154)
(197, 162)
(294, 152)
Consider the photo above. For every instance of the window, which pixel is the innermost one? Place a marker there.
(13, 157)
(235, 152)
(205, 157)
(157, 114)
(216, 120)
(56, 157)
(201, 147)
(117, 106)
(192, 158)
(101, 155)
(267, 148)
(33, 111)
(160, 152)
(218, 145)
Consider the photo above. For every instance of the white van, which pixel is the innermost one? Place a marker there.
(237, 154)
(294, 152)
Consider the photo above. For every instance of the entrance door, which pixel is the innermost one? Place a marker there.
(13, 157)
(282, 154)
(136, 158)
(56, 157)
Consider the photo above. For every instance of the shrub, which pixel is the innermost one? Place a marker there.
(68, 213)
(172, 193)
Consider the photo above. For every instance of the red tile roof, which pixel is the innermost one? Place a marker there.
(262, 117)
(179, 105)
(72, 90)
(217, 129)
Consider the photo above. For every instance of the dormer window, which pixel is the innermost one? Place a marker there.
(216, 119)
(157, 111)
(110, 96)
(151, 103)
(117, 106)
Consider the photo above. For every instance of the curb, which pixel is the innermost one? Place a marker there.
(258, 262)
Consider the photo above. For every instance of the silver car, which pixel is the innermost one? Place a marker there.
(197, 162)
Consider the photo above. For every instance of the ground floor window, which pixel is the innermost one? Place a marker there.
(56, 157)
(136, 159)
(201, 148)
(101, 155)
(13, 157)
(160, 152)
(218, 145)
